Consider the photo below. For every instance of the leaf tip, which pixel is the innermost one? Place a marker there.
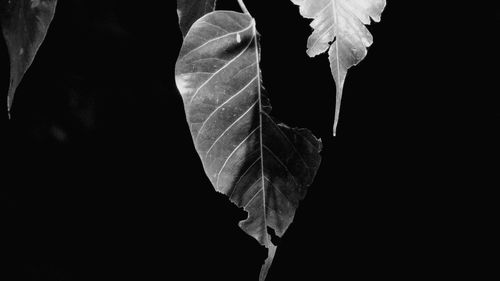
(9, 103)
(337, 111)
(267, 264)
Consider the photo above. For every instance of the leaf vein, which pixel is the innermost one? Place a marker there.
(231, 154)
(216, 26)
(242, 90)
(214, 39)
(255, 195)
(215, 73)
(242, 175)
(227, 129)
(279, 190)
(283, 164)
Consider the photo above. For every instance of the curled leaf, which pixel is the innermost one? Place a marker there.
(24, 25)
(343, 22)
(261, 165)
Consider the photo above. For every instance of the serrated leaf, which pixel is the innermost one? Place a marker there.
(24, 26)
(343, 22)
(190, 11)
(262, 166)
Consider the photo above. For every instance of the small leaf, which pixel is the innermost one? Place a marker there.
(261, 165)
(24, 25)
(189, 11)
(341, 21)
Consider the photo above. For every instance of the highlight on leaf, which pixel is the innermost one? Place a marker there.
(263, 166)
(339, 28)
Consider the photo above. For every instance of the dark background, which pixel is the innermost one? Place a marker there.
(101, 180)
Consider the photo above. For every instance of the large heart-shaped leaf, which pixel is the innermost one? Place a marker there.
(190, 11)
(261, 165)
(24, 25)
(341, 21)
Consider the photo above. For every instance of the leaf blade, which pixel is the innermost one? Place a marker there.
(262, 166)
(24, 26)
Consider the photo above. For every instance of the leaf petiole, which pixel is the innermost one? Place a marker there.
(243, 7)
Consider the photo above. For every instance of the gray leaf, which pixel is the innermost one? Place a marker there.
(262, 166)
(24, 25)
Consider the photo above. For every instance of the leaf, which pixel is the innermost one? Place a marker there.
(343, 22)
(189, 11)
(261, 165)
(24, 25)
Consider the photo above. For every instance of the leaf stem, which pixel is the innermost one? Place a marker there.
(243, 7)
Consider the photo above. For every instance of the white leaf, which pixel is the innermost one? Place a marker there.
(339, 28)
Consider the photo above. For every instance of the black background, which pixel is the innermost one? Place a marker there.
(102, 182)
